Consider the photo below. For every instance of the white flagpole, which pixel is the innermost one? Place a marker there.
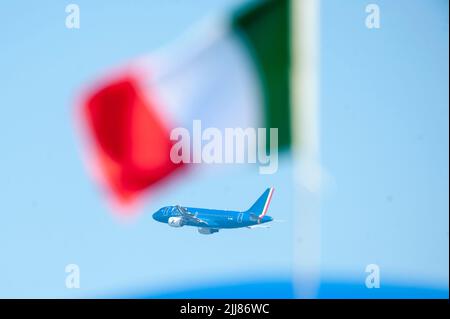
(305, 133)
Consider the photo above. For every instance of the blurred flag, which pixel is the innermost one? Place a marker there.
(233, 72)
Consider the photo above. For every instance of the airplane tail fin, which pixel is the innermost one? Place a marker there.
(261, 205)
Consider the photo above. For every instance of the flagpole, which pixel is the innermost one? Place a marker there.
(305, 133)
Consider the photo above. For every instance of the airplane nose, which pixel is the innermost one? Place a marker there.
(156, 215)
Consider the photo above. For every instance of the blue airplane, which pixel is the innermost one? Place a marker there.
(209, 221)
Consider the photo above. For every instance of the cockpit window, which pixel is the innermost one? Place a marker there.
(165, 211)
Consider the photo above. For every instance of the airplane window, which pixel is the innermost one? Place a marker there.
(165, 211)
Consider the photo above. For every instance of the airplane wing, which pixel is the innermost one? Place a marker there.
(190, 216)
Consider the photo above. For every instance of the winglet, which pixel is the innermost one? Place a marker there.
(261, 205)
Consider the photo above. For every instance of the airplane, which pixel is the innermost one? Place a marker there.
(209, 221)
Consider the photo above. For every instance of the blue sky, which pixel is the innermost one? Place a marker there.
(384, 125)
(384, 148)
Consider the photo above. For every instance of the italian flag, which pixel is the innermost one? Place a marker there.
(231, 71)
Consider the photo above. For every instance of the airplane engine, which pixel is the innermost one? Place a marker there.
(207, 231)
(176, 221)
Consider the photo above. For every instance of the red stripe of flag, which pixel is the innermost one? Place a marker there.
(131, 142)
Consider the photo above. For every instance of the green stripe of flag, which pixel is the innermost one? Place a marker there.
(265, 28)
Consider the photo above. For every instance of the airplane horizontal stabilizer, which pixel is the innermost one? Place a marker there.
(258, 226)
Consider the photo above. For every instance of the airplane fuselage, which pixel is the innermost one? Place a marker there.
(210, 221)
(214, 217)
